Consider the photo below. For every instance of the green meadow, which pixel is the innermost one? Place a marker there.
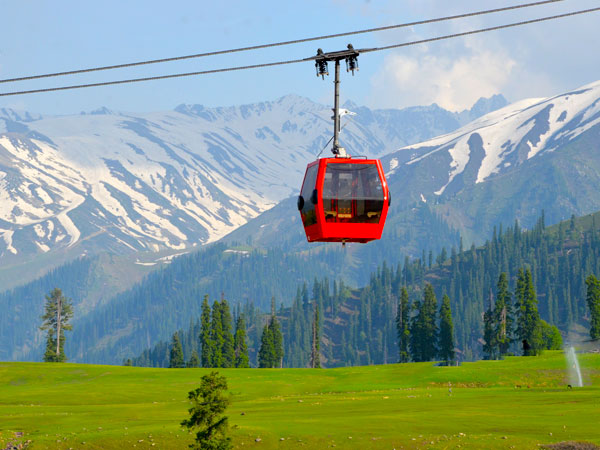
(516, 403)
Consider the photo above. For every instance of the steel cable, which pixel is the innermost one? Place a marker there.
(278, 44)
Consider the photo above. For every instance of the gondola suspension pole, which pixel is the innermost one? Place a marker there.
(321, 60)
(337, 150)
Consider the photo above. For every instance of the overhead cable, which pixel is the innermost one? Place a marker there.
(278, 63)
(279, 44)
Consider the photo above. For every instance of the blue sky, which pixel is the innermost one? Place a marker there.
(41, 36)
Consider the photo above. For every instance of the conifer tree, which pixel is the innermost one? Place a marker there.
(58, 312)
(216, 335)
(239, 344)
(266, 353)
(206, 414)
(277, 342)
(176, 360)
(206, 344)
(503, 320)
(593, 303)
(315, 358)
(423, 329)
(194, 360)
(528, 321)
(446, 337)
(403, 325)
(227, 350)
(489, 335)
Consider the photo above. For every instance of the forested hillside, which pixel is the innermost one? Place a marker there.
(107, 323)
(358, 325)
(169, 298)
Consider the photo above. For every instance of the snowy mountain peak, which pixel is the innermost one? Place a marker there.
(171, 180)
(509, 136)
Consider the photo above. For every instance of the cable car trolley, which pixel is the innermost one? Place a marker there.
(343, 199)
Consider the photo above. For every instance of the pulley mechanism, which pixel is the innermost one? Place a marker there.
(351, 57)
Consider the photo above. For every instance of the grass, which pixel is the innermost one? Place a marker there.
(61, 406)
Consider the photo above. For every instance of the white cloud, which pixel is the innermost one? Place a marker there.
(452, 80)
(536, 60)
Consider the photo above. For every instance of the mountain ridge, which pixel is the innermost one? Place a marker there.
(165, 181)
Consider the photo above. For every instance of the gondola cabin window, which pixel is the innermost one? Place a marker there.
(352, 193)
(307, 209)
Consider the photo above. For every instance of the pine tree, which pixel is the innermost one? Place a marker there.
(528, 321)
(266, 353)
(277, 337)
(58, 312)
(315, 358)
(206, 344)
(490, 341)
(446, 337)
(503, 316)
(593, 303)
(50, 352)
(403, 325)
(216, 335)
(227, 350)
(194, 360)
(176, 360)
(423, 328)
(489, 335)
(239, 344)
(206, 414)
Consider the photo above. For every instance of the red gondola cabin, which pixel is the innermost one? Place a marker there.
(344, 200)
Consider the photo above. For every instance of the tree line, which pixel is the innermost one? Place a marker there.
(360, 326)
(423, 334)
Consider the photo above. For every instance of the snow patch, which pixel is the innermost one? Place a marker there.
(460, 157)
(139, 263)
(7, 236)
(42, 247)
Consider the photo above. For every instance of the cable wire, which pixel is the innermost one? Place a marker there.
(278, 63)
(482, 30)
(278, 44)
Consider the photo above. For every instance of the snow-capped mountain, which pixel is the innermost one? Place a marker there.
(170, 180)
(531, 155)
(510, 135)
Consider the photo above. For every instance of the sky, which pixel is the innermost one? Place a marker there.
(43, 36)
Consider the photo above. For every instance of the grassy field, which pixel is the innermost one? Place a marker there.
(61, 406)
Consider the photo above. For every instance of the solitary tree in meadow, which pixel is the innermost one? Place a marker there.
(56, 318)
(206, 414)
